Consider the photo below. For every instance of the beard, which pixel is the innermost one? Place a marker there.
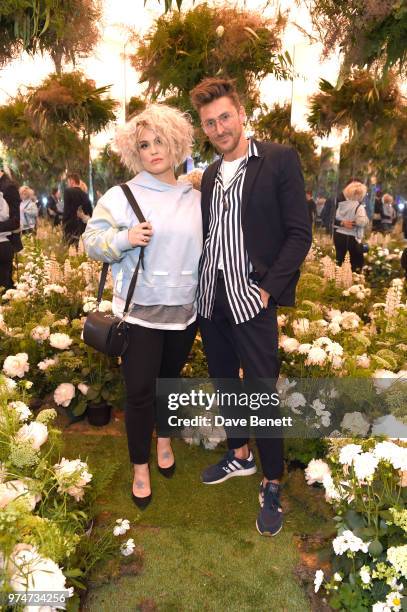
(227, 142)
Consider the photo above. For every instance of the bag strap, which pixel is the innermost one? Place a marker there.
(137, 210)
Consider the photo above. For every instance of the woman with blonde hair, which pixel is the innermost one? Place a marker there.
(28, 210)
(350, 221)
(163, 307)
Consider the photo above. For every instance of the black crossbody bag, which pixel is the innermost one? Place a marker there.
(105, 332)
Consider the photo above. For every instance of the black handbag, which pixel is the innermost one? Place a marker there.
(105, 332)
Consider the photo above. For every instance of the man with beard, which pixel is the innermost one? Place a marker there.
(257, 233)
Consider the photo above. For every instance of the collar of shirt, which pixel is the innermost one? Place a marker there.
(252, 151)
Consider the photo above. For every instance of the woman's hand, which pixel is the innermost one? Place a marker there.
(140, 235)
(348, 224)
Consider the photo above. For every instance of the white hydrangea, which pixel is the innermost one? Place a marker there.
(397, 556)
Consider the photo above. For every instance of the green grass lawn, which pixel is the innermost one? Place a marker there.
(198, 544)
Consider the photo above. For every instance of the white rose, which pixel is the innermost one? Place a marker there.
(83, 388)
(16, 365)
(64, 394)
(35, 433)
(13, 489)
(316, 470)
(60, 341)
(40, 333)
(35, 573)
(289, 345)
(356, 423)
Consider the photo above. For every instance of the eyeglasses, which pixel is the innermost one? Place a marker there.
(224, 119)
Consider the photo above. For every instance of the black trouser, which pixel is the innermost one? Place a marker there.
(253, 345)
(152, 354)
(6, 265)
(344, 243)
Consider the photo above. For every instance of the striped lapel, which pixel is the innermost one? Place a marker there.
(207, 190)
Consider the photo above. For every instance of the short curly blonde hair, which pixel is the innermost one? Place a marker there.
(355, 191)
(173, 127)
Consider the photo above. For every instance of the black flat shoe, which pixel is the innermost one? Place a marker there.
(141, 502)
(168, 472)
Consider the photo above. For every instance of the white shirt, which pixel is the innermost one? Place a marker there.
(228, 170)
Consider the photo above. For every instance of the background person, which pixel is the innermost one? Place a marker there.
(74, 197)
(28, 210)
(387, 213)
(10, 239)
(350, 221)
(163, 309)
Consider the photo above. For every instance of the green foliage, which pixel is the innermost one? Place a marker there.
(183, 48)
(275, 124)
(108, 170)
(370, 33)
(65, 29)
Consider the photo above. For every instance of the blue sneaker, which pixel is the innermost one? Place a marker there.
(229, 466)
(270, 518)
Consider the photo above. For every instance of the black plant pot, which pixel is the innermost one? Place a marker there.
(99, 414)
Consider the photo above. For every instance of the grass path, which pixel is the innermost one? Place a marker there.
(199, 545)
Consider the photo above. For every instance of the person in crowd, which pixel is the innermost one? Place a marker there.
(312, 208)
(55, 206)
(257, 233)
(74, 198)
(10, 239)
(387, 213)
(350, 221)
(377, 212)
(28, 210)
(163, 308)
(319, 207)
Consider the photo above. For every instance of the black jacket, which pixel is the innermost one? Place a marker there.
(275, 220)
(10, 192)
(74, 197)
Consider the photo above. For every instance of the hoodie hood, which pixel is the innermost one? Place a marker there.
(149, 181)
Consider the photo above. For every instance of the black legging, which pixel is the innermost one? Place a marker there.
(152, 354)
(6, 264)
(344, 243)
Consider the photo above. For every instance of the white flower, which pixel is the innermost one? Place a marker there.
(14, 294)
(54, 288)
(316, 356)
(363, 361)
(23, 410)
(32, 572)
(337, 577)
(304, 349)
(331, 492)
(356, 423)
(348, 453)
(40, 333)
(350, 320)
(316, 470)
(35, 433)
(220, 30)
(383, 379)
(47, 363)
(397, 556)
(282, 320)
(72, 477)
(337, 362)
(334, 327)
(60, 341)
(394, 601)
(319, 578)
(9, 383)
(348, 541)
(122, 526)
(105, 306)
(289, 345)
(365, 466)
(318, 406)
(64, 394)
(89, 306)
(295, 400)
(334, 349)
(83, 388)
(13, 489)
(61, 322)
(16, 365)
(128, 547)
(365, 574)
